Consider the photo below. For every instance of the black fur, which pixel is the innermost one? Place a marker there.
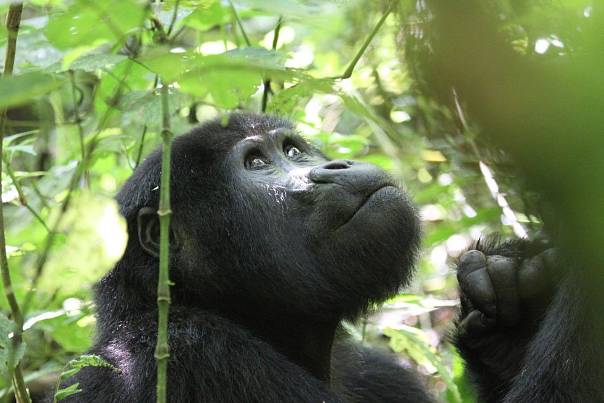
(553, 352)
(265, 263)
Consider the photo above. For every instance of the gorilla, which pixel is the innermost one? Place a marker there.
(272, 246)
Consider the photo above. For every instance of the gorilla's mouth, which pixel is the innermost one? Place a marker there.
(378, 192)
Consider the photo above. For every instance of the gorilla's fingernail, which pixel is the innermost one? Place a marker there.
(472, 260)
(549, 257)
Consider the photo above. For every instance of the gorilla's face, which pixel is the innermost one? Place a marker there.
(335, 234)
(266, 223)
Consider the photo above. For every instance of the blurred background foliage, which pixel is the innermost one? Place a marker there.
(477, 107)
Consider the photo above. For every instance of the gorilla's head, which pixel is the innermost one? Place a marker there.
(264, 223)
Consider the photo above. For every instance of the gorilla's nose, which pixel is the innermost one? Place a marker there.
(355, 176)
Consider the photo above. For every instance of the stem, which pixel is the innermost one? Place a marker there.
(173, 20)
(245, 37)
(139, 152)
(78, 121)
(162, 350)
(267, 82)
(76, 113)
(13, 20)
(21, 194)
(357, 57)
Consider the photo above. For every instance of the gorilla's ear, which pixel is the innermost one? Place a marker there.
(147, 227)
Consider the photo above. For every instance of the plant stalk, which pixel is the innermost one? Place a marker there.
(13, 21)
(267, 82)
(162, 350)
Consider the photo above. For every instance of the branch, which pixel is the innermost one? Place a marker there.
(162, 350)
(78, 121)
(173, 20)
(359, 54)
(13, 21)
(21, 194)
(245, 37)
(267, 83)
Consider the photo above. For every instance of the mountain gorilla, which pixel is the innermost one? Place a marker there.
(272, 245)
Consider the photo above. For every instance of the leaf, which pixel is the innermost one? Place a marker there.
(85, 360)
(206, 16)
(73, 335)
(227, 88)
(86, 22)
(7, 326)
(410, 340)
(90, 62)
(68, 391)
(287, 100)
(172, 66)
(19, 89)
(73, 367)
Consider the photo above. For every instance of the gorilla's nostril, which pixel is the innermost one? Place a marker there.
(338, 164)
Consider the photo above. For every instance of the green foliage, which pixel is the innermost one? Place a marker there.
(20, 89)
(84, 109)
(411, 341)
(7, 327)
(86, 23)
(73, 367)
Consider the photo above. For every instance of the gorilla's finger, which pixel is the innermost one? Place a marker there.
(470, 261)
(475, 324)
(502, 271)
(550, 257)
(477, 287)
(533, 278)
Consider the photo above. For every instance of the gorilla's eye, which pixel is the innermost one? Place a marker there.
(292, 151)
(255, 162)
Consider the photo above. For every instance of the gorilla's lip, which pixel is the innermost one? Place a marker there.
(366, 200)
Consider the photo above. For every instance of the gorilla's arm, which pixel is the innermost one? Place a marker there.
(367, 375)
(524, 328)
(211, 360)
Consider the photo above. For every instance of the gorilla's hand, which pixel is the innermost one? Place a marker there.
(500, 292)
(504, 297)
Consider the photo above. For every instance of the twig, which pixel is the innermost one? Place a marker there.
(22, 199)
(238, 20)
(139, 153)
(267, 82)
(162, 350)
(173, 20)
(359, 54)
(76, 113)
(77, 120)
(13, 21)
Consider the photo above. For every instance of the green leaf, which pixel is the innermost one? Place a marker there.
(286, 101)
(86, 22)
(263, 62)
(19, 89)
(89, 62)
(73, 367)
(206, 16)
(86, 360)
(68, 391)
(7, 326)
(73, 335)
(227, 88)
(411, 340)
